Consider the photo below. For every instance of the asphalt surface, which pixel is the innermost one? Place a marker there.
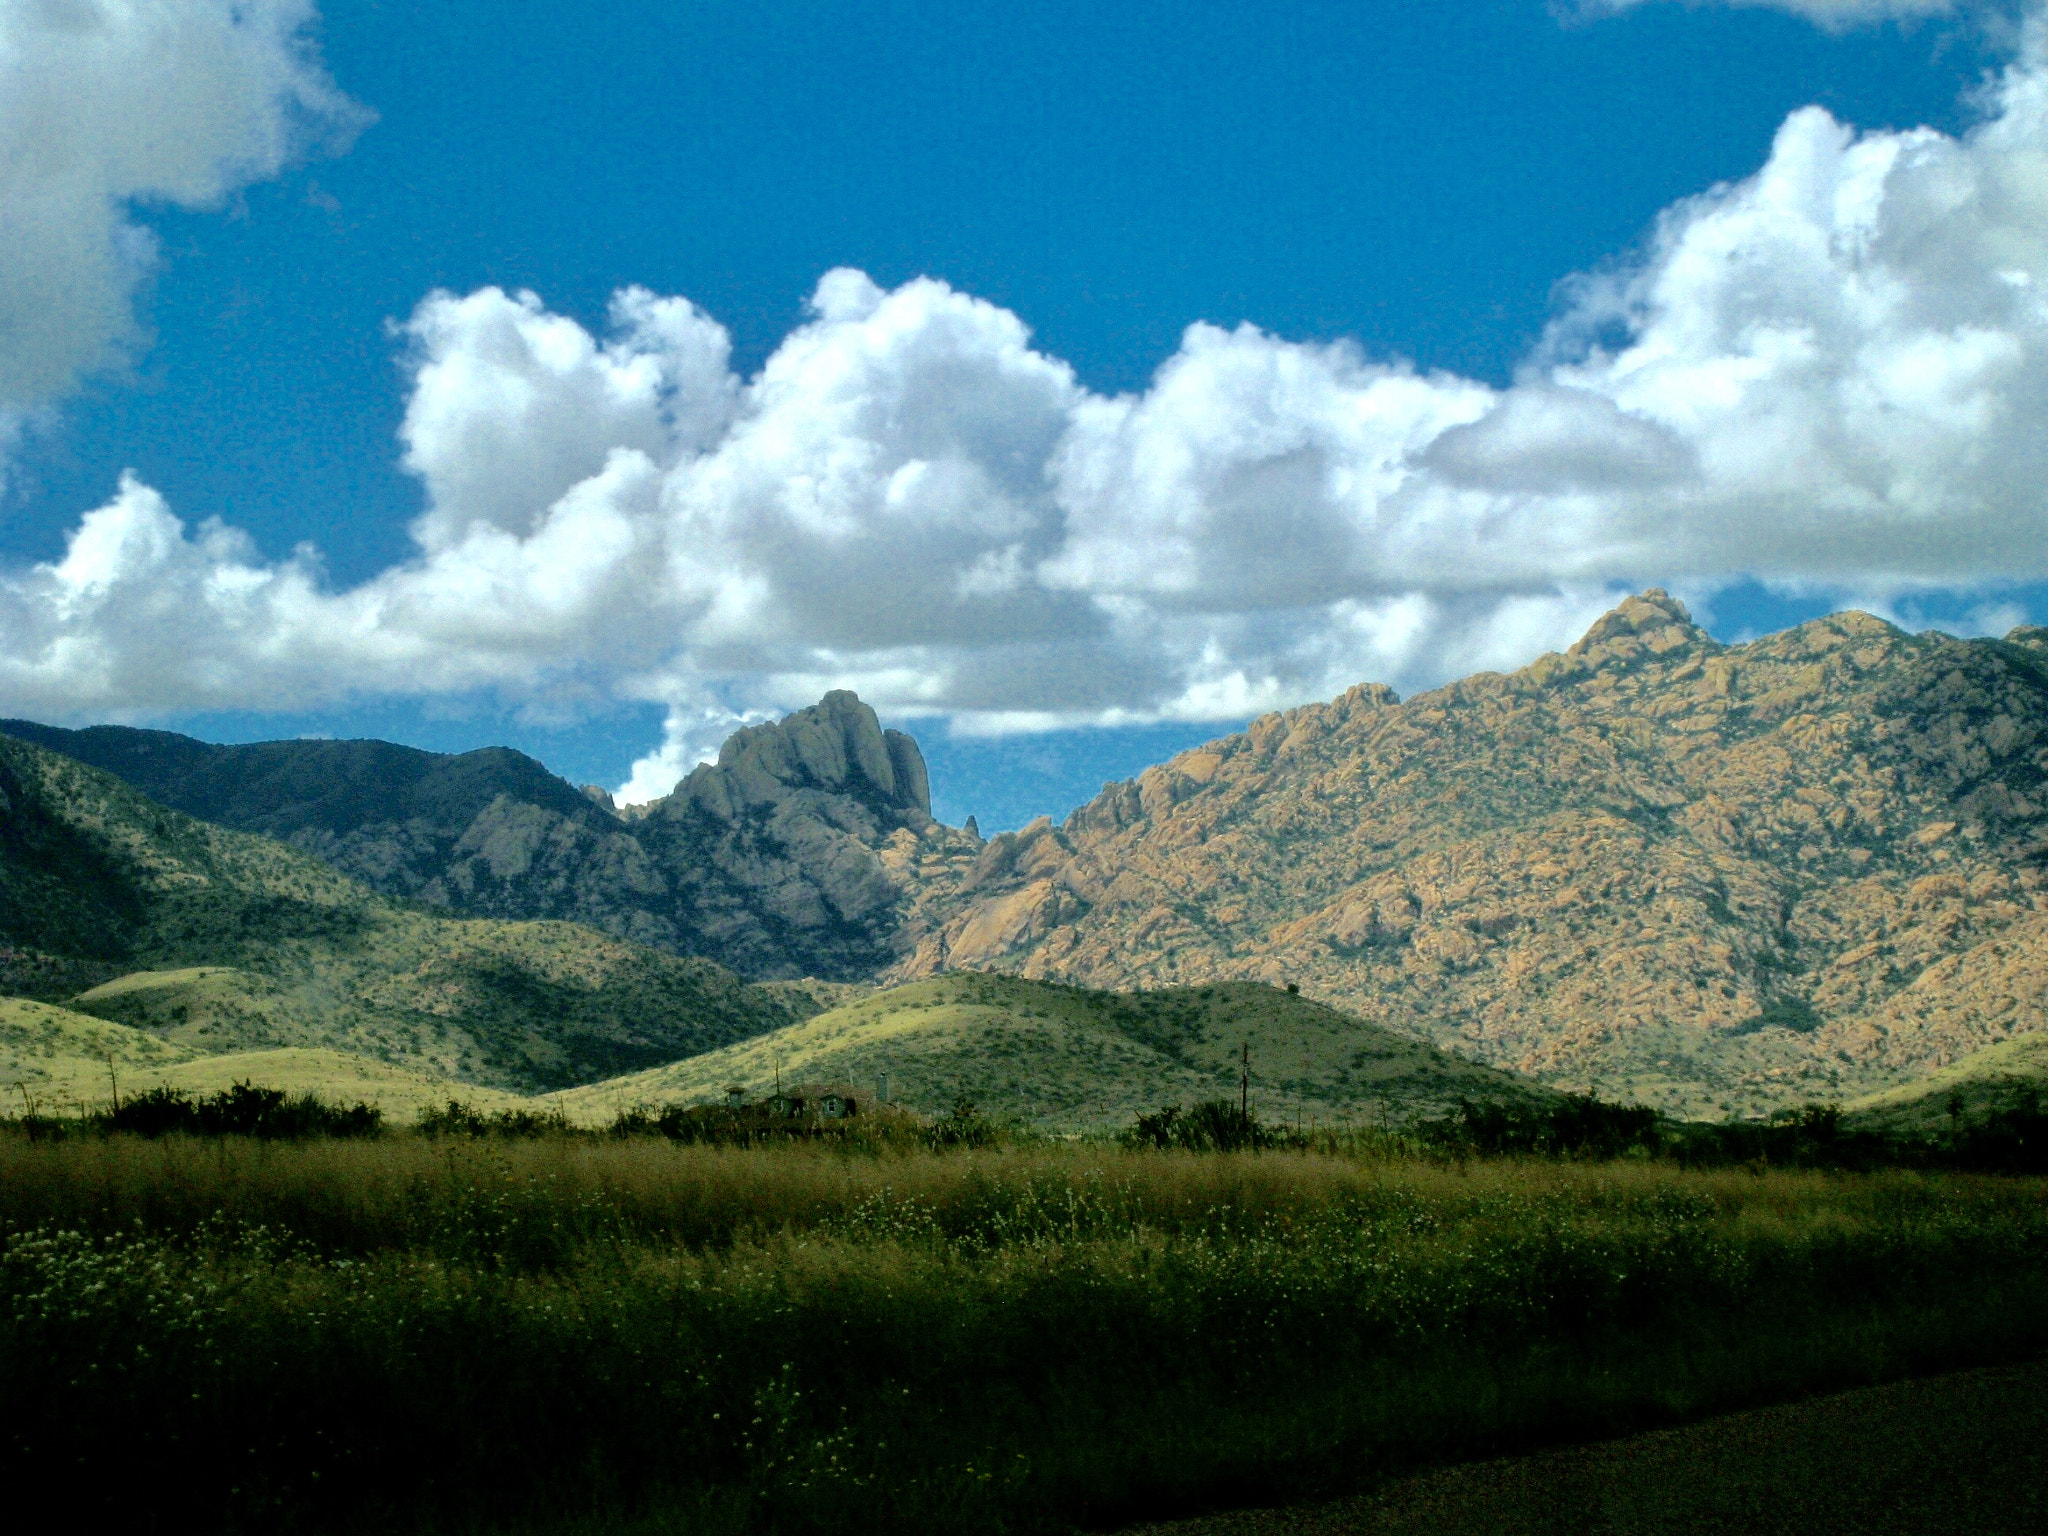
(1966, 1453)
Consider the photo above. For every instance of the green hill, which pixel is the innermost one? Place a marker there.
(1067, 1058)
(60, 1062)
(795, 855)
(55, 1059)
(1982, 1081)
(251, 945)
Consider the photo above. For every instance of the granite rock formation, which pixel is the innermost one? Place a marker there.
(803, 846)
(1710, 877)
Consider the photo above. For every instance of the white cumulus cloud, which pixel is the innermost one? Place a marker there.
(106, 104)
(1834, 372)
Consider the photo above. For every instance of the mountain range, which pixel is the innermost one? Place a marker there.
(791, 856)
(1716, 878)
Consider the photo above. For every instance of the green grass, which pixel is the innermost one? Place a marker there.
(1068, 1058)
(410, 1335)
(56, 1059)
(1984, 1081)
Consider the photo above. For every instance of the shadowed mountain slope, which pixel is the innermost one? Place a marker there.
(1706, 876)
(791, 856)
(220, 941)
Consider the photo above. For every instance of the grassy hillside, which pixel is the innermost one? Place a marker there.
(251, 945)
(62, 1062)
(57, 1059)
(1066, 1057)
(1992, 1078)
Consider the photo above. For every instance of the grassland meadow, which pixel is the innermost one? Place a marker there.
(562, 1334)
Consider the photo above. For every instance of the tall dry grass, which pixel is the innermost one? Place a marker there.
(342, 1198)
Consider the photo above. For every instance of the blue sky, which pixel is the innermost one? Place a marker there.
(1417, 181)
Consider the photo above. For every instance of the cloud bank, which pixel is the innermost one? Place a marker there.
(108, 103)
(1834, 372)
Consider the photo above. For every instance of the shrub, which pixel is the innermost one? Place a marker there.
(1215, 1125)
(965, 1127)
(1578, 1125)
(462, 1119)
(239, 1110)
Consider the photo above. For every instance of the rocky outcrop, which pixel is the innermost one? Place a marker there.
(805, 843)
(1695, 874)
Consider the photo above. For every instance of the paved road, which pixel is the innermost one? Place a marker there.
(1964, 1454)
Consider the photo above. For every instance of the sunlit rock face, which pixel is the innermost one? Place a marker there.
(1686, 872)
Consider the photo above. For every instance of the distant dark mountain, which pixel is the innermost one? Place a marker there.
(281, 789)
(791, 856)
(222, 941)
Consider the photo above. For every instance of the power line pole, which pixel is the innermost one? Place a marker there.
(1244, 1083)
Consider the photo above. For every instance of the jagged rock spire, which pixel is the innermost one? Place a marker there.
(837, 745)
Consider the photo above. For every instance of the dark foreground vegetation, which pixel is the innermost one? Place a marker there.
(239, 1110)
(2008, 1137)
(481, 1332)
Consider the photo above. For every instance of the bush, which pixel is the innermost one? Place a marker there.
(752, 1125)
(270, 1114)
(1579, 1125)
(2011, 1138)
(965, 1127)
(462, 1119)
(1215, 1125)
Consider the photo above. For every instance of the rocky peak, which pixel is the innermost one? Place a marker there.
(1652, 621)
(837, 746)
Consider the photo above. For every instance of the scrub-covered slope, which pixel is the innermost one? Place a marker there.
(2008, 1075)
(1065, 1057)
(255, 945)
(56, 1061)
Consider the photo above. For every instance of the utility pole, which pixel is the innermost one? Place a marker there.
(1244, 1083)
